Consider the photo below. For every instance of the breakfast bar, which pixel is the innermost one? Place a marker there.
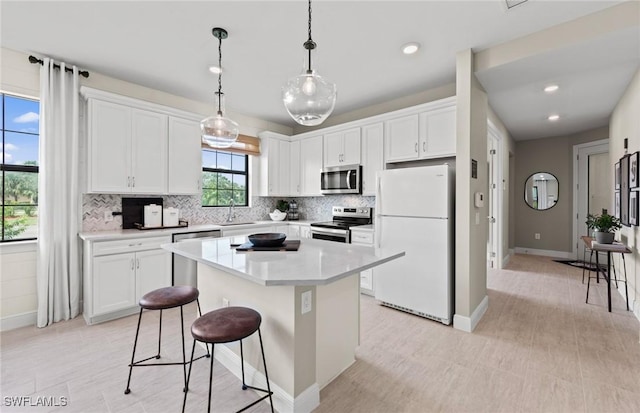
(309, 300)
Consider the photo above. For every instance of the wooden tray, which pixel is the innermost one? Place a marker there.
(291, 245)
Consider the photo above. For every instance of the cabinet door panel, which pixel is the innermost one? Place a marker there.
(185, 157)
(333, 149)
(372, 156)
(294, 169)
(109, 154)
(153, 271)
(284, 173)
(441, 132)
(149, 152)
(351, 147)
(311, 164)
(401, 140)
(114, 283)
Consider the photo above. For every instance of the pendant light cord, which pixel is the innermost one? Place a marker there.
(220, 75)
(309, 44)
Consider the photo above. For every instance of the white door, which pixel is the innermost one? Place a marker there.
(185, 156)
(294, 168)
(109, 144)
(401, 142)
(333, 149)
(149, 152)
(114, 283)
(311, 164)
(417, 192)
(593, 187)
(372, 156)
(421, 280)
(351, 147)
(153, 271)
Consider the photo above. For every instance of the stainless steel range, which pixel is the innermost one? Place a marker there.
(343, 218)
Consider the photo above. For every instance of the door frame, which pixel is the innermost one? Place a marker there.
(588, 148)
(495, 197)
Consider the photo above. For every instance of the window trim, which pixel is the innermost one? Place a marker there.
(14, 168)
(228, 171)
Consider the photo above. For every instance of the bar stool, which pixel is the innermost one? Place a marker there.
(226, 325)
(164, 299)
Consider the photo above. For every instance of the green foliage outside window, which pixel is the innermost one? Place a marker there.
(224, 178)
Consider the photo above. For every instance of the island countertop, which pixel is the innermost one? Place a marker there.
(317, 262)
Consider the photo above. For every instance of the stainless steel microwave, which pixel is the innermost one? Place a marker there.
(344, 179)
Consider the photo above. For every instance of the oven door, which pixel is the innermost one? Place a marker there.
(336, 235)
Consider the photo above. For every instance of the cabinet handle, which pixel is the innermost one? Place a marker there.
(132, 264)
(424, 146)
(128, 181)
(133, 181)
(416, 147)
(137, 262)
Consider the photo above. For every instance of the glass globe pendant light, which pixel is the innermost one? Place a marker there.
(308, 97)
(217, 130)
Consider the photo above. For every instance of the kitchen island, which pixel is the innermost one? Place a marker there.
(310, 305)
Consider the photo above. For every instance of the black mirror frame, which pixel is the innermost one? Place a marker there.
(525, 191)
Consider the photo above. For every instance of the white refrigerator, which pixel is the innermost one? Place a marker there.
(414, 210)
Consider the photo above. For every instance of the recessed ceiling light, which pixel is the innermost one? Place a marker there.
(553, 118)
(551, 88)
(214, 69)
(410, 48)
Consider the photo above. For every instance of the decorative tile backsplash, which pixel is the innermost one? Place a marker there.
(313, 208)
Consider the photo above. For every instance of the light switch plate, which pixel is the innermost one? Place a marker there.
(108, 216)
(306, 302)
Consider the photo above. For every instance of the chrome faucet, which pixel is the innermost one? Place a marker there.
(231, 212)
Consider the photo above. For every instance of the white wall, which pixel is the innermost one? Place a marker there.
(18, 264)
(625, 123)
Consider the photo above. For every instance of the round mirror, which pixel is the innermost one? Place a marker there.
(541, 191)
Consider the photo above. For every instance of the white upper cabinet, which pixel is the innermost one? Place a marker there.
(431, 133)
(372, 156)
(438, 133)
(274, 164)
(185, 156)
(342, 148)
(140, 147)
(310, 165)
(127, 149)
(402, 138)
(295, 181)
(148, 152)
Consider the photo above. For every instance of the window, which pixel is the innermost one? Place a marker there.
(225, 176)
(19, 168)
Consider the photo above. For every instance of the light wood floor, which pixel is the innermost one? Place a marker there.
(539, 348)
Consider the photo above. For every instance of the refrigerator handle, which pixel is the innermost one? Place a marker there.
(378, 231)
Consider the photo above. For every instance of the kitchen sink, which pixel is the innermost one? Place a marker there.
(226, 224)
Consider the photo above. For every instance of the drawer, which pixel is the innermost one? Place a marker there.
(128, 245)
(362, 237)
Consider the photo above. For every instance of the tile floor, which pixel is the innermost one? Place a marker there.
(539, 348)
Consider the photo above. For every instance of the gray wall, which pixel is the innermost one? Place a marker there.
(553, 155)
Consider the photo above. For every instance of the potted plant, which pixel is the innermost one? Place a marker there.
(282, 205)
(605, 225)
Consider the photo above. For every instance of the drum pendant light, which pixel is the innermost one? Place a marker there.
(217, 130)
(308, 97)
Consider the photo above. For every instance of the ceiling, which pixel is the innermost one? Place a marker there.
(168, 46)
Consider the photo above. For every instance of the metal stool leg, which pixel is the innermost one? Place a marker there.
(213, 346)
(200, 312)
(266, 375)
(159, 335)
(133, 354)
(184, 355)
(186, 387)
(589, 284)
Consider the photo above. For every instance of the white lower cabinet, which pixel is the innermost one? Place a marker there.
(118, 273)
(364, 237)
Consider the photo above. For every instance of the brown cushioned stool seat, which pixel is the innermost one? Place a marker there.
(226, 325)
(164, 299)
(169, 297)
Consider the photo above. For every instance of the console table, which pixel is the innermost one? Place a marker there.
(616, 247)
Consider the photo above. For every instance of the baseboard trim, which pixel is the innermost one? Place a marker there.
(507, 258)
(18, 320)
(469, 324)
(546, 253)
(283, 402)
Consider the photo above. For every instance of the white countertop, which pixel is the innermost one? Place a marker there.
(317, 262)
(136, 233)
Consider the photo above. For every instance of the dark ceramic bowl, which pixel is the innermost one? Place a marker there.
(267, 239)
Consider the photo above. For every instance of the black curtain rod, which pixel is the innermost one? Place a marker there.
(35, 60)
